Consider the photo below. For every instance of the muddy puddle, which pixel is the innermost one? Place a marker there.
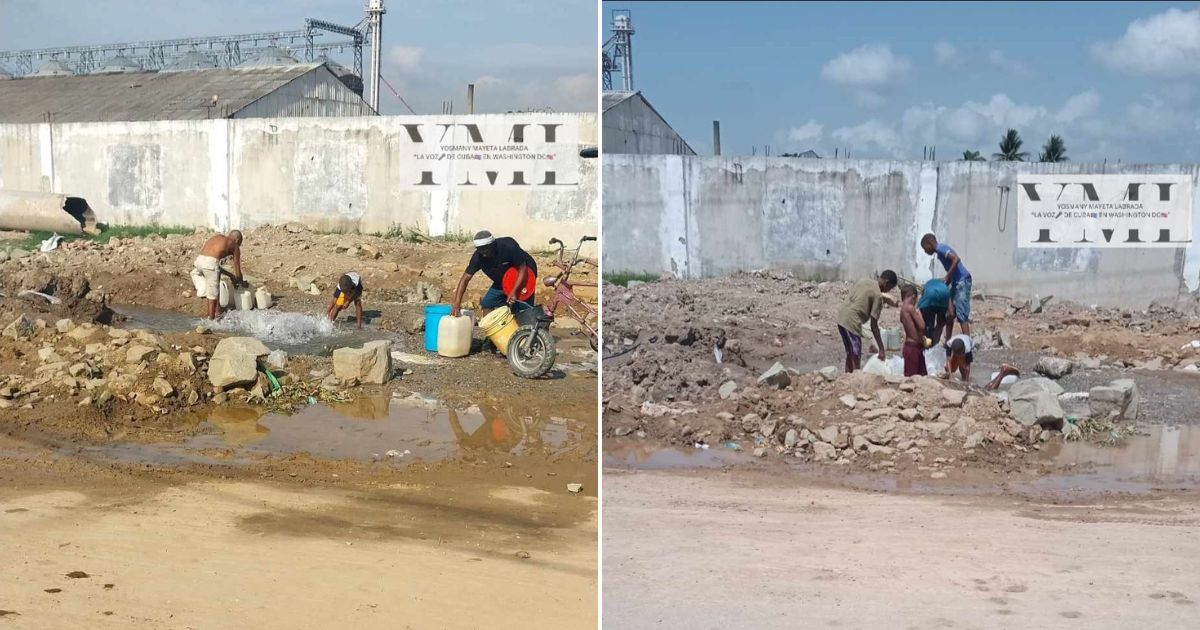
(391, 430)
(295, 333)
(649, 457)
(1163, 455)
(1157, 458)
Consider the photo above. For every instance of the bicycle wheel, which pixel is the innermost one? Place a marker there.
(531, 352)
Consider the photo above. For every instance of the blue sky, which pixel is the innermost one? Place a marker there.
(1117, 80)
(519, 53)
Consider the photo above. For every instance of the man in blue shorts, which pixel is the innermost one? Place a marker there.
(957, 277)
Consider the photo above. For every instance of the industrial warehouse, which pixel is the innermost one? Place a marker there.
(250, 372)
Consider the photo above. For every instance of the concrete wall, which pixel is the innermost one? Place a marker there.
(633, 126)
(842, 219)
(340, 174)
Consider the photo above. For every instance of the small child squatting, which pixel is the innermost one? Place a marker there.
(349, 289)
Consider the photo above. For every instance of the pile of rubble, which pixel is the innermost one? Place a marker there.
(687, 365)
(883, 422)
(96, 364)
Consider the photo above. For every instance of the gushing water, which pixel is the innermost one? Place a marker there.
(271, 326)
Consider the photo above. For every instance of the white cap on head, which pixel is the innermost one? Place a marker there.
(484, 238)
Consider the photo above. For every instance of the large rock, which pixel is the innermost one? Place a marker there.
(1034, 402)
(1036, 383)
(1054, 367)
(20, 328)
(1119, 398)
(235, 362)
(776, 377)
(371, 363)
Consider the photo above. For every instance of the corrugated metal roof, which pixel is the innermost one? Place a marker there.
(142, 95)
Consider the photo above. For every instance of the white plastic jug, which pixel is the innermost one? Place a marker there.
(262, 299)
(225, 291)
(198, 282)
(243, 299)
(454, 336)
(891, 339)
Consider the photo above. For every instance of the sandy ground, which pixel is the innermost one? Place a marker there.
(485, 535)
(168, 551)
(733, 550)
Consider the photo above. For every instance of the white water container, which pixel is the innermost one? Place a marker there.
(891, 339)
(262, 299)
(198, 282)
(225, 291)
(454, 336)
(243, 299)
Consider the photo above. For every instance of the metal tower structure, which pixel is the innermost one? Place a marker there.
(375, 11)
(617, 53)
(222, 50)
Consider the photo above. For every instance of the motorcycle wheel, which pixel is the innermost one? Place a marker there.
(531, 352)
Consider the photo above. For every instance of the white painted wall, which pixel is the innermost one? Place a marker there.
(846, 219)
(338, 174)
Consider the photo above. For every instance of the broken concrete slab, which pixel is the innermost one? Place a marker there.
(1117, 399)
(1036, 383)
(1034, 405)
(829, 373)
(1054, 367)
(235, 362)
(777, 376)
(371, 363)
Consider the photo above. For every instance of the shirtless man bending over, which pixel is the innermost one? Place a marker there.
(208, 263)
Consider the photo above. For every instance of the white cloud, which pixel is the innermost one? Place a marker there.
(1166, 44)
(807, 132)
(872, 135)
(1000, 60)
(976, 125)
(870, 67)
(577, 87)
(406, 59)
(1079, 106)
(868, 72)
(945, 53)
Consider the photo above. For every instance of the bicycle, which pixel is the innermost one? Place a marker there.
(531, 351)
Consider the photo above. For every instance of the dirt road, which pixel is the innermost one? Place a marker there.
(738, 550)
(169, 551)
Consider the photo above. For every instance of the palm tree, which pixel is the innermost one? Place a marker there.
(972, 156)
(1010, 148)
(1055, 150)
